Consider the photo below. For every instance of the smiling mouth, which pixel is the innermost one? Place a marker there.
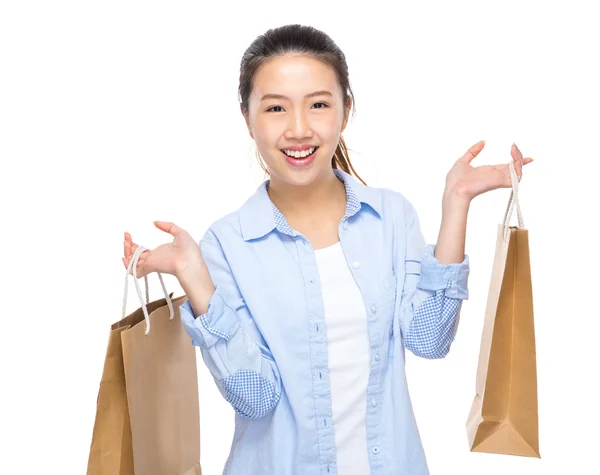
(301, 157)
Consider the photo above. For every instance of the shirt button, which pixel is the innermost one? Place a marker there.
(356, 265)
(377, 357)
(375, 450)
(374, 309)
(345, 226)
(373, 402)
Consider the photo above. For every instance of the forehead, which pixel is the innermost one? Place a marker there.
(294, 76)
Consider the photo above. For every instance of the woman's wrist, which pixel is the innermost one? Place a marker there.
(196, 283)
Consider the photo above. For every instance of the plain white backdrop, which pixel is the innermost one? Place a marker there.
(115, 114)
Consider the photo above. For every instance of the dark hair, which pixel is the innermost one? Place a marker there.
(304, 40)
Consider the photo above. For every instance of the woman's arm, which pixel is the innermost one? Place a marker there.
(435, 282)
(218, 321)
(450, 248)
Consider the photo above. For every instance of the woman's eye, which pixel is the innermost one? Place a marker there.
(271, 109)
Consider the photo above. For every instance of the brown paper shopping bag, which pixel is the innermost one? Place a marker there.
(147, 415)
(504, 414)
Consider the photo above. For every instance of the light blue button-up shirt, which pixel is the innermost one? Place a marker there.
(264, 338)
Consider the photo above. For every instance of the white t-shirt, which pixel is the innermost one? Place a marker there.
(348, 356)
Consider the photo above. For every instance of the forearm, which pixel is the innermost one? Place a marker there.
(197, 285)
(450, 247)
(435, 282)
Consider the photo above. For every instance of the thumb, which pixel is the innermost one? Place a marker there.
(473, 151)
(167, 227)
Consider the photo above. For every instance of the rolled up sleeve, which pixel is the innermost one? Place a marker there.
(220, 322)
(232, 346)
(452, 278)
(432, 294)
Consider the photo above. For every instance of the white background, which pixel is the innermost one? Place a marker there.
(115, 114)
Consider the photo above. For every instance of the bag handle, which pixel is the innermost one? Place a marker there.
(133, 265)
(513, 201)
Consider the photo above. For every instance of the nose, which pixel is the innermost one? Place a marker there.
(299, 126)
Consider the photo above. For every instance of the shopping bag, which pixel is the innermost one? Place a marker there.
(504, 414)
(147, 412)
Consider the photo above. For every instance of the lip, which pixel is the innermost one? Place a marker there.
(301, 162)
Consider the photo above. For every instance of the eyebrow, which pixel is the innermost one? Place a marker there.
(281, 96)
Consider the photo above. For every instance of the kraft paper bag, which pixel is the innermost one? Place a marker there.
(504, 414)
(147, 412)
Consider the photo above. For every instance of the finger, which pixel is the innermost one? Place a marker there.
(133, 248)
(168, 227)
(473, 151)
(517, 162)
(127, 249)
(140, 262)
(519, 154)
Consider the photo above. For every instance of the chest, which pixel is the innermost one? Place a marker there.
(320, 232)
(284, 288)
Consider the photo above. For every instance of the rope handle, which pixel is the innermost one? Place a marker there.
(512, 202)
(133, 265)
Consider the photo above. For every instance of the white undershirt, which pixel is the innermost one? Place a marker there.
(348, 356)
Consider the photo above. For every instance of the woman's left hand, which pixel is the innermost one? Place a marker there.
(467, 182)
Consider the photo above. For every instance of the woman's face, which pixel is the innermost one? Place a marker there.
(308, 111)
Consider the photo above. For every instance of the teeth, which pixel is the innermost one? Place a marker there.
(304, 153)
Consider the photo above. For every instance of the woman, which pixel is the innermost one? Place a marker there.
(303, 300)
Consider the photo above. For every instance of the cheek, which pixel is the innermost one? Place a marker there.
(266, 133)
(329, 129)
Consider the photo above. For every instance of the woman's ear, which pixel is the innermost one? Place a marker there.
(248, 125)
(346, 114)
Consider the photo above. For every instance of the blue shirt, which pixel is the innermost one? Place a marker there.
(264, 340)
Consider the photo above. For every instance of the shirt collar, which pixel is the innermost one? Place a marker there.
(259, 216)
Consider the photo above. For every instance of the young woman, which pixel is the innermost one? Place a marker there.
(303, 300)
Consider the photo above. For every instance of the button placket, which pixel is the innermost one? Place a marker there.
(317, 347)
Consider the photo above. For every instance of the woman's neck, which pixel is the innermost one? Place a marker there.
(321, 198)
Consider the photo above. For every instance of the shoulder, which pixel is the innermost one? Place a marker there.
(397, 204)
(224, 228)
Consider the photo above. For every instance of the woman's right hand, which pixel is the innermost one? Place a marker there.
(169, 258)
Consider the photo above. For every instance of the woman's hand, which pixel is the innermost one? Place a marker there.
(467, 182)
(169, 258)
